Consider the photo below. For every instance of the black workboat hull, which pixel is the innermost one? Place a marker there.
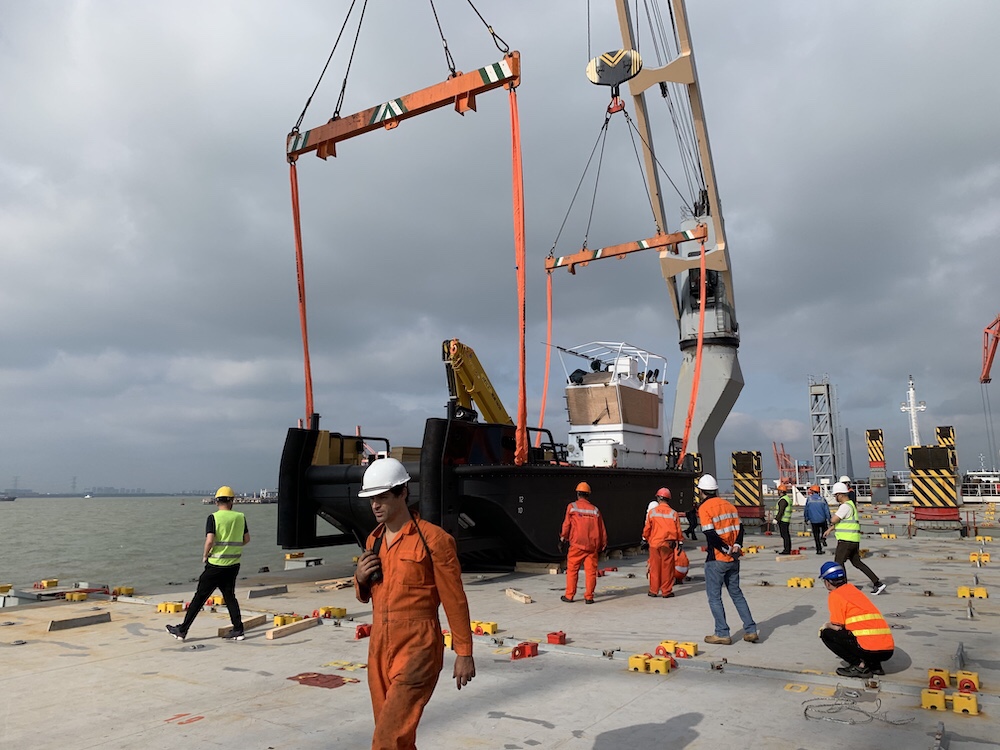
(467, 482)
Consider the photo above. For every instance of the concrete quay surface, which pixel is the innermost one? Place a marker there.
(127, 684)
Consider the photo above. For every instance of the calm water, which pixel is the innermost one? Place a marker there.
(147, 542)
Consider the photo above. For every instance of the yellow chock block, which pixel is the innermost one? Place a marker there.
(170, 607)
(967, 682)
(803, 533)
(984, 539)
(5, 587)
(794, 582)
(807, 583)
(280, 620)
(218, 599)
(938, 679)
(50, 583)
(689, 646)
(980, 592)
(474, 624)
(965, 703)
(338, 611)
(659, 665)
(485, 628)
(984, 557)
(666, 648)
(933, 699)
(124, 591)
(964, 593)
(447, 638)
(638, 663)
(76, 596)
(294, 555)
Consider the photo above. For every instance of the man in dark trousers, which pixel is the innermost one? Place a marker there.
(408, 570)
(817, 514)
(846, 527)
(783, 517)
(226, 534)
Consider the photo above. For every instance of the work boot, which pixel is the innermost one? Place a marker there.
(854, 671)
(588, 601)
(652, 594)
(669, 596)
(751, 637)
(718, 640)
(176, 632)
(566, 599)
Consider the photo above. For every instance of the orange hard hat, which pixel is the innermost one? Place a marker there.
(663, 492)
(583, 487)
(814, 488)
(782, 487)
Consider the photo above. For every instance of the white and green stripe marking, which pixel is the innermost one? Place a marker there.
(495, 72)
(387, 111)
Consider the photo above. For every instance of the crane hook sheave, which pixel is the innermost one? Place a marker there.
(614, 68)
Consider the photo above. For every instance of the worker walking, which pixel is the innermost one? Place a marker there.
(408, 570)
(817, 514)
(583, 529)
(663, 533)
(857, 632)
(226, 534)
(783, 517)
(720, 522)
(846, 526)
(692, 519)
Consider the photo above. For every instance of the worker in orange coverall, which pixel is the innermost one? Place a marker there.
(583, 528)
(409, 568)
(663, 533)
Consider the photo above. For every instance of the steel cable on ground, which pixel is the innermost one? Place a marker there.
(825, 709)
(328, 59)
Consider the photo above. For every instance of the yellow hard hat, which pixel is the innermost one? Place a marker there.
(225, 491)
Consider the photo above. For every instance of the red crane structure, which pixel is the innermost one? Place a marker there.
(991, 335)
(787, 473)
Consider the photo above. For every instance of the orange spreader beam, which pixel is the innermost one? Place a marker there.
(668, 241)
(460, 90)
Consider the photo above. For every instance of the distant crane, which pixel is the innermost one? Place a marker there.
(787, 469)
(991, 335)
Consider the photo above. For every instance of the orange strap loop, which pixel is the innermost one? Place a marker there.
(697, 357)
(548, 355)
(517, 185)
(300, 272)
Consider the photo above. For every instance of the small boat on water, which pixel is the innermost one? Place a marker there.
(7, 498)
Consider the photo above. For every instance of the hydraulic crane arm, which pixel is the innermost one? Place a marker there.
(468, 382)
(991, 335)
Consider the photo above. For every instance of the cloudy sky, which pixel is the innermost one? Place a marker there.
(149, 332)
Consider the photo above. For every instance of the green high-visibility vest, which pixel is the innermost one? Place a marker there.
(849, 529)
(787, 515)
(230, 527)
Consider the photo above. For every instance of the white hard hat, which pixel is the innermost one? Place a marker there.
(840, 489)
(845, 479)
(707, 482)
(381, 476)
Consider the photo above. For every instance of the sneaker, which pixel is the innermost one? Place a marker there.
(877, 670)
(176, 632)
(566, 599)
(877, 588)
(751, 637)
(722, 641)
(854, 671)
(234, 636)
(588, 601)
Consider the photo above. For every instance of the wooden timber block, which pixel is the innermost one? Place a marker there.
(292, 627)
(269, 591)
(786, 558)
(249, 622)
(79, 622)
(518, 596)
(533, 567)
(336, 583)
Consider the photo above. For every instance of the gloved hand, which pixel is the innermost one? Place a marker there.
(644, 545)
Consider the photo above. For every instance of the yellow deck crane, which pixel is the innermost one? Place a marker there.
(468, 382)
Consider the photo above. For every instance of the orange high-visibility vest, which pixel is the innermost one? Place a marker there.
(852, 609)
(722, 517)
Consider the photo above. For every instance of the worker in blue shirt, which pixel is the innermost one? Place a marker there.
(817, 513)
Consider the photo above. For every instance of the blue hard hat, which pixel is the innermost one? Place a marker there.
(831, 571)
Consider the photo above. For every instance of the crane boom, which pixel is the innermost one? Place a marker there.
(721, 379)
(991, 335)
(468, 382)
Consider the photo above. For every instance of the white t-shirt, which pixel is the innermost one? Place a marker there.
(844, 512)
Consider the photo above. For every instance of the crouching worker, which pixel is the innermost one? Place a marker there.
(409, 568)
(857, 631)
